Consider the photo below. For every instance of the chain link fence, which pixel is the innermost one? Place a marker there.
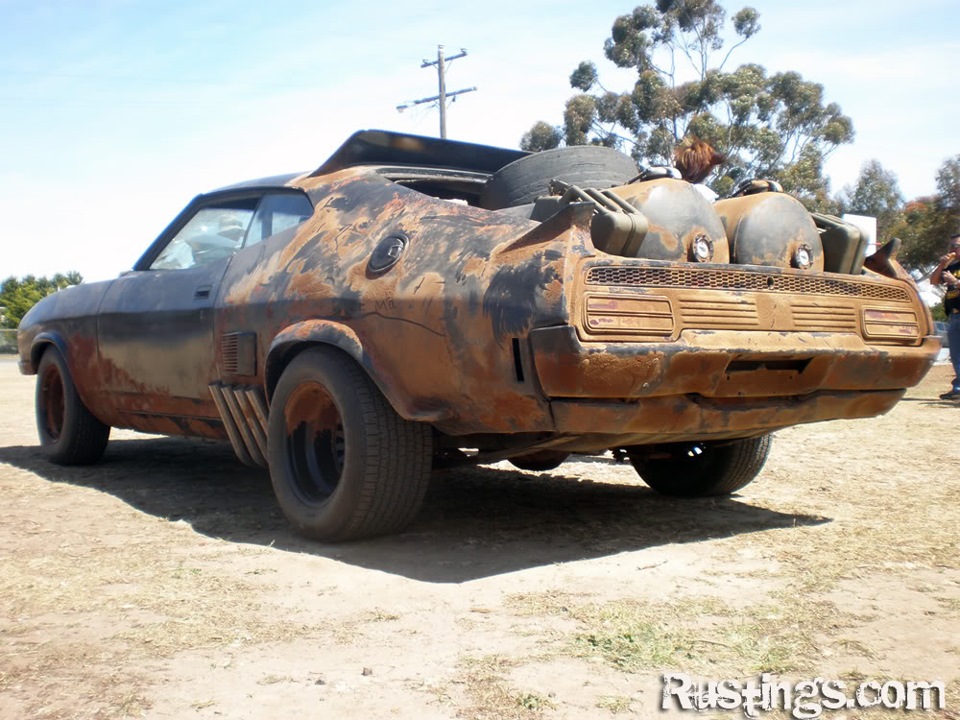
(8, 342)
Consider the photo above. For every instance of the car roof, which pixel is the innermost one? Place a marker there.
(274, 181)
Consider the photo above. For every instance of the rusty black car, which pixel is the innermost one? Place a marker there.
(417, 303)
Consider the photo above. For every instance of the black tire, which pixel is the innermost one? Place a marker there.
(526, 179)
(701, 469)
(343, 464)
(540, 461)
(69, 433)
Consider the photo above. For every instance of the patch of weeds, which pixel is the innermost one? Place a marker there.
(762, 647)
(260, 571)
(950, 604)
(346, 632)
(439, 691)
(552, 602)
(696, 633)
(180, 571)
(855, 647)
(532, 701)
(133, 705)
(780, 637)
(633, 644)
(273, 679)
(615, 704)
(953, 693)
(491, 696)
(32, 679)
(854, 676)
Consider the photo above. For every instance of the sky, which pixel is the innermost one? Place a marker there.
(115, 113)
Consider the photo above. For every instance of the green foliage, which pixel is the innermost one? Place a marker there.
(926, 224)
(542, 136)
(924, 227)
(948, 184)
(18, 296)
(875, 194)
(776, 126)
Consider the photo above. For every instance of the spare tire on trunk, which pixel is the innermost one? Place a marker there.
(526, 179)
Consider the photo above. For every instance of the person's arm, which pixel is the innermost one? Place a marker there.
(941, 276)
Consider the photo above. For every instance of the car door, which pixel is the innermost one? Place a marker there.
(155, 328)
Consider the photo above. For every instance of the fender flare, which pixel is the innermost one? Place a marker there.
(40, 342)
(53, 338)
(297, 337)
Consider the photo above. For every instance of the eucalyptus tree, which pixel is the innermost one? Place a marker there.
(928, 222)
(776, 125)
(875, 193)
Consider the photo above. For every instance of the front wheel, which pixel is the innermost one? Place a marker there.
(343, 464)
(69, 433)
(700, 469)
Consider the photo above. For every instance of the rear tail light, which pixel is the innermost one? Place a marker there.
(890, 325)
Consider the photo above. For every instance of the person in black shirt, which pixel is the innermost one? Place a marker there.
(948, 273)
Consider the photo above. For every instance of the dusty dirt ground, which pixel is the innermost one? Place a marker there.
(164, 583)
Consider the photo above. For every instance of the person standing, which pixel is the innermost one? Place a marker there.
(948, 273)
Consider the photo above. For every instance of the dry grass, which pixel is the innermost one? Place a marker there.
(614, 704)
(697, 634)
(39, 674)
(491, 697)
(160, 604)
(145, 601)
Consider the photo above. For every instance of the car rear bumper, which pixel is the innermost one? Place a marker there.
(720, 383)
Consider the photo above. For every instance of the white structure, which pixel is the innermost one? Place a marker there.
(867, 226)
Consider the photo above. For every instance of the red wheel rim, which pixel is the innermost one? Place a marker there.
(54, 406)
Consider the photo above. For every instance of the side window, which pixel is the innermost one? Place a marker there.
(278, 212)
(214, 232)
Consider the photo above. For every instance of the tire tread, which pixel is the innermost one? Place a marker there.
(396, 454)
(728, 468)
(83, 438)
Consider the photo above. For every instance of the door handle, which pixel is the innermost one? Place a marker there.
(202, 292)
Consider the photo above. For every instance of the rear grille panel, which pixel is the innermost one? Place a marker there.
(709, 314)
(710, 279)
(736, 299)
(814, 317)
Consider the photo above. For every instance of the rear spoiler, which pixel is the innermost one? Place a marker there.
(382, 147)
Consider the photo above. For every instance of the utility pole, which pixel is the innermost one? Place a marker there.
(441, 97)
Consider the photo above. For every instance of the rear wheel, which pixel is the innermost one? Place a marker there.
(699, 469)
(540, 461)
(69, 433)
(343, 464)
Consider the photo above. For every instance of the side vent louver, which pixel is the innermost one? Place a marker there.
(238, 352)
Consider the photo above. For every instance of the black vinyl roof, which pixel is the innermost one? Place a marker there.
(274, 181)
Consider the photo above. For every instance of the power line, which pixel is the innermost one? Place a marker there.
(441, 97)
